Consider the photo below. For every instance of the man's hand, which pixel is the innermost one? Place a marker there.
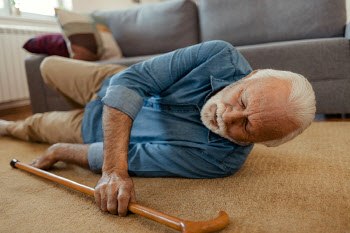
(113, 192)
(66, 152)
(47, 160)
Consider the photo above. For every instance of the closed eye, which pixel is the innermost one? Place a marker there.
(242, 104)
(245, 125)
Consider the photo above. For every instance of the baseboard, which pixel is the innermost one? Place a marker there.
(14, 104)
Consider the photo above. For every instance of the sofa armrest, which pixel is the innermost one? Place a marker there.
(35, 83)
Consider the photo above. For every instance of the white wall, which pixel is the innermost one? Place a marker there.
(18, 21)
(91, 5)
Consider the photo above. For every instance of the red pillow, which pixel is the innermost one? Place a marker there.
(50, 44)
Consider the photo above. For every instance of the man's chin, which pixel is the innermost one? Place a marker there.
(233, 140)
(238, 142)
(217, 130)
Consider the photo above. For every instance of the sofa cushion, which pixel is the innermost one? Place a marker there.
(260, 21)
(324, 62)
(80, 34)
(154, 28)
(88, 38)
(49, 43)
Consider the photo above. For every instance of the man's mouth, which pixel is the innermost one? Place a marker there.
(214, 120)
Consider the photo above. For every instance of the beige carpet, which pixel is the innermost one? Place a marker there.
(302, 186)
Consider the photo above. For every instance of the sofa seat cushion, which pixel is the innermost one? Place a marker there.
(154, 28)
(324, 62)
(317, 59)
(260, 21)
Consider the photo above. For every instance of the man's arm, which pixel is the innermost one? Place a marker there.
(115, 189)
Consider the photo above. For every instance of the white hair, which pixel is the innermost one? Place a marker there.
(301, 102)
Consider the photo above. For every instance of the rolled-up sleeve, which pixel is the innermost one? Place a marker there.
(124, 99)
(95, 156)
(129, 88)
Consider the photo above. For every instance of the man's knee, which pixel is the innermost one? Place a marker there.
(48, 65)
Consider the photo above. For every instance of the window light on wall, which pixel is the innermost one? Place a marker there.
(34, 7)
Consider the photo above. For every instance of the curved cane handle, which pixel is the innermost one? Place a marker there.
(216, 224)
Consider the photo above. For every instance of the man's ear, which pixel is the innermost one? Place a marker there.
(249, 75)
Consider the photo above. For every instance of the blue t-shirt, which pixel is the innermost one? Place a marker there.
(164, 97)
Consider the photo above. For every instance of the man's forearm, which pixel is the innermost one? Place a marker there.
(66, 152)
(71, 153)
(116, 129)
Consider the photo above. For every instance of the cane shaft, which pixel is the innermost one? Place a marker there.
(165, 219)
(55, 178)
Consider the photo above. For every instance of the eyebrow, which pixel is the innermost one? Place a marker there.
(244, 96)
(244, 99)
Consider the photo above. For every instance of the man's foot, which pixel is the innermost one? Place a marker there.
(3, 127)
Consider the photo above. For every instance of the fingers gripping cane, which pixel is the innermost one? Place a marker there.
(182, 225)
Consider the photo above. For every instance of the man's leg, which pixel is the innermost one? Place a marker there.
(49, 127)
(77, 81)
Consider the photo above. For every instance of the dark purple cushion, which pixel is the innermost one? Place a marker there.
(50, 44)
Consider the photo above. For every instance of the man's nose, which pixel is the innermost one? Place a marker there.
(232, 114)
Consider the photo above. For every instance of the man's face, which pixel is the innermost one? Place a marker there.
(250, 111)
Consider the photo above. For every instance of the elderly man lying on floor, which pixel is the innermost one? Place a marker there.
(194, 112)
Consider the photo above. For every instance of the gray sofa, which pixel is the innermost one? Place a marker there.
(307, 37)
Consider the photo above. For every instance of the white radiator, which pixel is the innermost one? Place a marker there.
(13, 83)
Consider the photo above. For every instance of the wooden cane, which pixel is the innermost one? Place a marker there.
(182, 225)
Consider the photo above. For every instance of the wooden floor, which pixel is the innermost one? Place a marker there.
(16, 114)
(20, 113)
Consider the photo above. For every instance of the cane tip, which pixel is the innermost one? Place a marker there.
(12, 163)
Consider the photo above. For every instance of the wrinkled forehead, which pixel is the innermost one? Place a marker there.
(269, 90)
(270, 102)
